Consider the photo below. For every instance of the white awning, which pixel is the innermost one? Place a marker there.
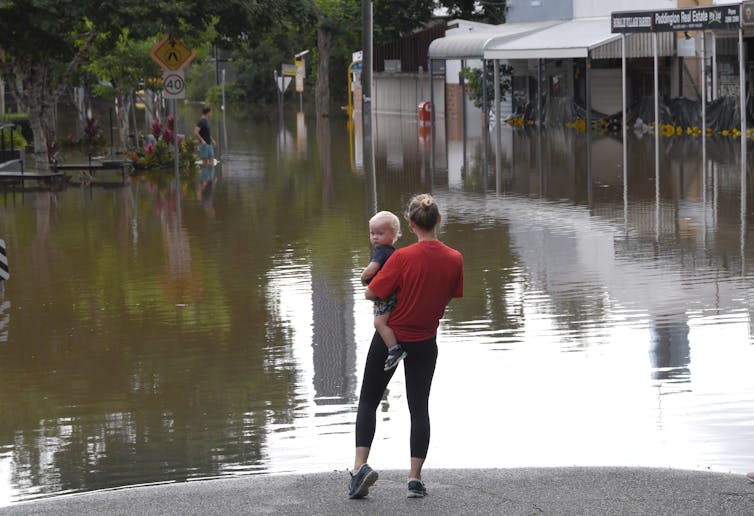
(569, 39)
(471, 45)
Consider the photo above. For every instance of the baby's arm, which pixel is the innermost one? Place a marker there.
(369, 272)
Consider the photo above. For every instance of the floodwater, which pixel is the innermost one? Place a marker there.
(607, 318)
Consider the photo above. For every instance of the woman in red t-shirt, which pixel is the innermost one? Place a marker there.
(425, 276)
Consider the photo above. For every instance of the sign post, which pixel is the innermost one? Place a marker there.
(173, 56)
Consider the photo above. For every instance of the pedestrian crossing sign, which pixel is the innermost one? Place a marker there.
(171, 54)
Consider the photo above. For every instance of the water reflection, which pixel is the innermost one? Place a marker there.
(207, 181)
(5, 307)
(670, 354)
(163, 334)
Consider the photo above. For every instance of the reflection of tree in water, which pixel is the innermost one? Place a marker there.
(121, 386)
(494, 276)
(139, 390)
(324, 148)
(578, 308)
(334, 351)
(161, 409)
(46, 210)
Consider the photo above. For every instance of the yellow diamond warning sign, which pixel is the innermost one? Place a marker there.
(171, 54)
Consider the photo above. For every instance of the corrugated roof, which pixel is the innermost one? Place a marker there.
(637, 45)
(569, 39)
(471, 45)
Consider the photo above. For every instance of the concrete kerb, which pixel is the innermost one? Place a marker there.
(521, 491)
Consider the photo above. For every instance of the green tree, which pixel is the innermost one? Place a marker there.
(44, 44)
(475, 84)
(396, 18)
(120, 70)
(126, 66)
(334, 19)
(488, 11)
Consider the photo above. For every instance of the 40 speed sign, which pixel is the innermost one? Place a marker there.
(173, 84)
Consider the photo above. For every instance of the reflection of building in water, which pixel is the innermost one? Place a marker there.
(334, 352)
(670, 354)
(401, 148)
(593, 268)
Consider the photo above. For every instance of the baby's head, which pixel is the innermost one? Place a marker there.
(384, 228)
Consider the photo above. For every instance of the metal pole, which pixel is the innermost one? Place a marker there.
(366, 81)
(744, 168)
(624, 125)
(540, 105)
(589, 127)
(714, 66)
(366, 46)
(657, 137)
(539, 92)
(704, 127)
(175, 148)
(742, 91)
(463, 119)
(656, 92)
(704, 89)
(485, 110)
(221, 141)
(496, 83)
(498, 158)
(432, 119)
(485, 120)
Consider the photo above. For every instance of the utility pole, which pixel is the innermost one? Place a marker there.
(366, 72)
(366, 85)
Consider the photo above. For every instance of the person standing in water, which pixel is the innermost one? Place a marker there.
(203, 133)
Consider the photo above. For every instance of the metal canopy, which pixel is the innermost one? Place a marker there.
(471, 45)
(570, 39)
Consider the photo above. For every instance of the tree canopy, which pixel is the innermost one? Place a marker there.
(48, 46)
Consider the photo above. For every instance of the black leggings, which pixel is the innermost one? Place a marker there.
(419, 367)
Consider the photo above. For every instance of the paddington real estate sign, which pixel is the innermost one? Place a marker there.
(723, 17)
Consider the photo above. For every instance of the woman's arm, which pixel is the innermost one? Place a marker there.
(371, 296)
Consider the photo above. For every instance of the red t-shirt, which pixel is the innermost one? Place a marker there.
(424, 277)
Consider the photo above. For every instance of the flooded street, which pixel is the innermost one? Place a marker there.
(607, 318)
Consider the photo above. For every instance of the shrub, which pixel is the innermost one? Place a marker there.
(18, 142)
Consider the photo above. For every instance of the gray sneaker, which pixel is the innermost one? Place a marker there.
(361, 481)
(394, 355)
(750, 477)
(416, 488)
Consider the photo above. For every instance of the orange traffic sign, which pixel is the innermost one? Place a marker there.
(171, 54)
